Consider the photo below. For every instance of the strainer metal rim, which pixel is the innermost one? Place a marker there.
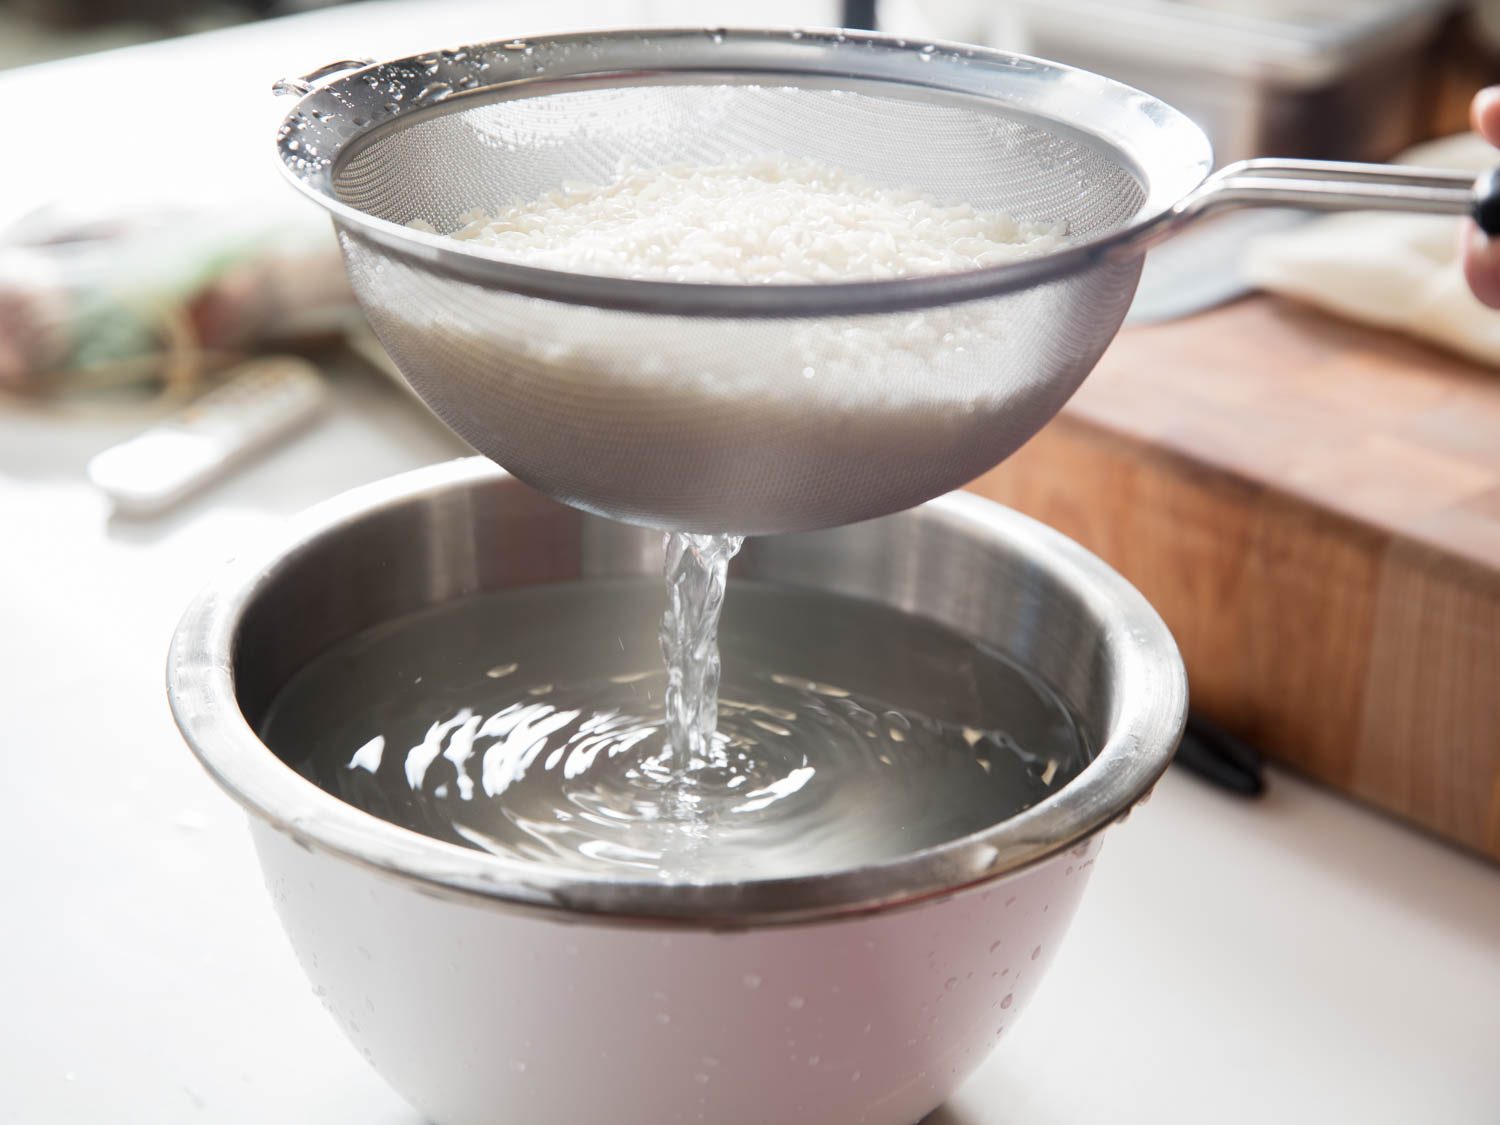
(1165, 149)
(1150, 692)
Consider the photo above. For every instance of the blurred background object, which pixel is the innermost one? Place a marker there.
(34, 31)
(1342, 79)
(1335, 79)
(109, 302)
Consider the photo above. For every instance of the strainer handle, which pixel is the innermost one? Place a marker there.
(1332, 186)
(301, 87)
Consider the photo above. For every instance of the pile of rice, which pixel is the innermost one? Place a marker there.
(766, 220)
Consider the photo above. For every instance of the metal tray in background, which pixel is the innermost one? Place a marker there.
(1331, 79)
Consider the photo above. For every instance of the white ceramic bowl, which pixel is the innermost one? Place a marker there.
(492, 991)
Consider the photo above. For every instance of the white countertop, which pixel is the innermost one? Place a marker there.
(1296, 959)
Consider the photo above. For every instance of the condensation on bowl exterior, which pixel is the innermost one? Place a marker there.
(804, 1025)
(530, 724)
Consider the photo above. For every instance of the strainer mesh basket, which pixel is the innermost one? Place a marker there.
(730, 408)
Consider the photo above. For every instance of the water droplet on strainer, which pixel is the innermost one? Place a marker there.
(1035, 953)
(1010, 998)
(950, 984)
(701, 1078)
(995, 946)
(514, 45)
(518, 1064)
(467, 82)
(798, 35)
(752, 980)
(928, 51)
(435, 91)
(715, 35)
(390, 107)
(360, 122)
(795, 1002)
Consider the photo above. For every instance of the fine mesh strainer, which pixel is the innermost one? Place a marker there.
(751, 408)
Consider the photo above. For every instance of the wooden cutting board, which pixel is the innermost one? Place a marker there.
(1314, 509)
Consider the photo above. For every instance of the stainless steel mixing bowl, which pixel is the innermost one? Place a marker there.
(486, 990)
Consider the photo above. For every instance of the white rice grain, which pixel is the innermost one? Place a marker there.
(767, 220)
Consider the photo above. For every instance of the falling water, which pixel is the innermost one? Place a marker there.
(697, 571)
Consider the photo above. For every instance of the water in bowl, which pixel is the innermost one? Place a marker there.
(530, 723)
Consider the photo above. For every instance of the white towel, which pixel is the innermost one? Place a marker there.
(1390, 270)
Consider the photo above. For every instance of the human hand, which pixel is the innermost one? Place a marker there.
(1482, 253)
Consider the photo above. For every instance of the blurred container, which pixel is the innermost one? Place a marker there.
(1468, 56)
(1338, 79)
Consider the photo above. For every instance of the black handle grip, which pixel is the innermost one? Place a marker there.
(1487, 202)
(1217, 756)
(859, 15)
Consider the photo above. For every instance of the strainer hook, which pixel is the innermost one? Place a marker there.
(301, 87)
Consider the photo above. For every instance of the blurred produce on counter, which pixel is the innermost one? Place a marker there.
(96, 302)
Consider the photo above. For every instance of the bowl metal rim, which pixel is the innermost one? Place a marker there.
(1150, 711)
